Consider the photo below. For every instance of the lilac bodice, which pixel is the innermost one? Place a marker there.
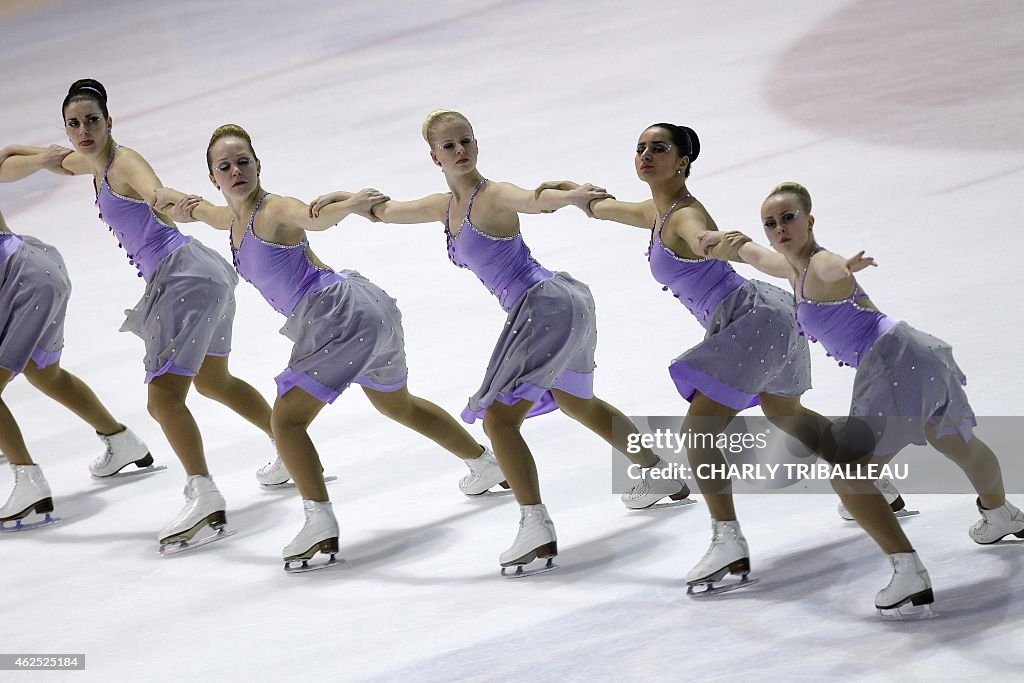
(282, 273)
(700, 284)
(9, 243)
(146, 239)
(846, 329)
(503, 264)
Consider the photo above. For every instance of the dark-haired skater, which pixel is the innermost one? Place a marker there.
(185, 316)
(750, 354)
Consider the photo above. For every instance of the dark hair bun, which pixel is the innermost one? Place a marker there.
(694, 143)
(89, 85)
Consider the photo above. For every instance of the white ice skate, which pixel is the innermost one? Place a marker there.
(274, 476)
(998, 523)
(204, 507)
(319, 535)
(646, 493)
(909, 584)
(892, 497)
(536, 539)
(31, 494)
(484, 473)
(728, 554)
(123, 449)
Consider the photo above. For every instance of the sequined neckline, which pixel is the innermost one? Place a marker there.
(855, 295)
(659, 224)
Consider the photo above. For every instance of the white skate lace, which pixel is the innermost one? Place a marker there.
(106, 457)
(272, 467)
(641, 488)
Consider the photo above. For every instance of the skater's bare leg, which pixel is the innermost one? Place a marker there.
(977, 461)
(216, 382)
(12, 444)
(868, 506)
(502, 425)
(598, 416)
(74, 394)
(290, 419)
(166, 404)
(426, 418)
(706, 416)
(800, 422)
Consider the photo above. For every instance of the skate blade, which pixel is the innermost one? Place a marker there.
(501, 493)
(900, 514)
(173, 547)
(122, 474)
(661, 506)
(521, 572)
(712, 589)
(333, 562)
(908, 613)
(291, 484)
(15, 525)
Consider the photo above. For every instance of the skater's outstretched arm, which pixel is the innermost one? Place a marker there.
(289, 213)
(187, 208)
(546, 199)
(716, 245)
(627, 213)
(429, 209)
(830, 267)
(637, 214)
(19, 161)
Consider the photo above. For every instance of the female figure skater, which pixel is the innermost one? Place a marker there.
(34, 291)
(544, 358)
(185, 316)
(901, 373)
(345, 329)
(750, 354)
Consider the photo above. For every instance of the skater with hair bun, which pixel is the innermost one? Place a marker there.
(185, 316)
(750, 355)
(34, 291)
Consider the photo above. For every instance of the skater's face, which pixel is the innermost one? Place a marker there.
(453, 147)
(786, 224)
(235, 169)
(86, 126)
(657, 157)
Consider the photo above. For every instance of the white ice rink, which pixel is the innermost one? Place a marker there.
(903, 119)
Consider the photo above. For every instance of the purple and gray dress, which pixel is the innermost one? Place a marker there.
(344, 328)
(905, 378)
(750, 347)
(550, 334)
(34, 291)
(189, 303)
